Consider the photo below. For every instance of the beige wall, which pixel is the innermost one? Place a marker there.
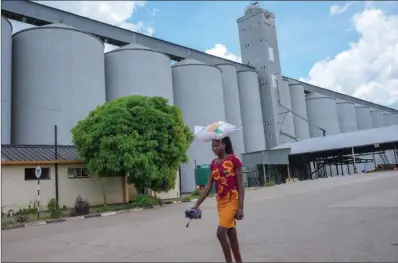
(17, 193)
(173, 193)
(88, 188)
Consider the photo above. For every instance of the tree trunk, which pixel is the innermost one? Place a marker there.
(103, 191)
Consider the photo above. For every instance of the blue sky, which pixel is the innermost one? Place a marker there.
(306, 31)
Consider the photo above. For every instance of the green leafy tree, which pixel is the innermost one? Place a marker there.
(142, 137)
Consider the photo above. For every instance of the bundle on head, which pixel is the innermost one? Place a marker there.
(193, 214)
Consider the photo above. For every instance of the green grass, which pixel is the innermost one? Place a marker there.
(110, 208)
(142, 201)
(269, 184)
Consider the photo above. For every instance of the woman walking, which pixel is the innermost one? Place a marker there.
(226, 172)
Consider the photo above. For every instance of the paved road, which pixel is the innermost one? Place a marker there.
(352, 218)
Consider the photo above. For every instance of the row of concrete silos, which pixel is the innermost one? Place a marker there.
(207, 93)
(336, 116)
(59, 74)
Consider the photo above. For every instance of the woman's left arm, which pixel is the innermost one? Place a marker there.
(241, 187)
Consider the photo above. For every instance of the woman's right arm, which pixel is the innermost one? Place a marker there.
(206, 192)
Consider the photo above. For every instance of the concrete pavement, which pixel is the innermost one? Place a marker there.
(350, 218)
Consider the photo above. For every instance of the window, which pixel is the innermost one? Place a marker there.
(271, 53)
(31, 175)
(274, 81)
(78, 173)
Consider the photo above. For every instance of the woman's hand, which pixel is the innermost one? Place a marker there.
(239, 214)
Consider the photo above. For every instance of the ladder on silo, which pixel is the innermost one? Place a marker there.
(384, 158)
(310, 123)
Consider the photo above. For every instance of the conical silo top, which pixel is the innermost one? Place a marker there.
(57, 25)
(189, 61)
(7, 21)
(339, 101)
(134, 46)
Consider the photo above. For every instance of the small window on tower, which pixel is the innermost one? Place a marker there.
(271, 53)
(274, 81)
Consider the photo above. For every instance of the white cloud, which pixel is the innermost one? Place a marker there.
(339, 9)
(369, 68)
(219, 50)
(115, 13)
(154, 11)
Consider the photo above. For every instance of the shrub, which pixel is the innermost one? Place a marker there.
(32, 209)
(197, 192)
(145, 201)
(22, 215)
(269, 184)
(54, 209)
(82, 206)
(186, 199)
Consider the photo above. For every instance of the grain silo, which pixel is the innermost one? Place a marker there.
(364, 119)
(285, 114)
(252, 118)
(299, 108)
(58, 78)
(377, 118)
(388, 118)
(346, 115)
(322, 113)
(232, 104)
(6, 54)
(198, 92)
(137, 70)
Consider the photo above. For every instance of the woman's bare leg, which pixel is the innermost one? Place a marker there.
(223, 238)
(233, 241)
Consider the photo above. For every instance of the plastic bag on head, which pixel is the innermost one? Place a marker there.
(214, 131)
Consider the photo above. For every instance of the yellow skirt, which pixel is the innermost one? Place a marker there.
(227, 209)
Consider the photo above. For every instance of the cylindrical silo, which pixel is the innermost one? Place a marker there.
(377, 122)
(285, 114)
(232, 104)
(322, 113)
(198, 92)
(377, 118)
(6, 54)
(364, 119)
(137, 70)
(388, 118)
(346, 116)
(252, 118)
(58, 78)
(299, 108)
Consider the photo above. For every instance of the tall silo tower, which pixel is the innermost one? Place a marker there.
(198, 92)
(6, 54)
(58, 77)
(259, 49)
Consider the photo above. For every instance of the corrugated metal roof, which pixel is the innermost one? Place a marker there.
(343, 140)
(17, 153)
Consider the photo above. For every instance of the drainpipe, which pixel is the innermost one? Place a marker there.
(56, 164)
